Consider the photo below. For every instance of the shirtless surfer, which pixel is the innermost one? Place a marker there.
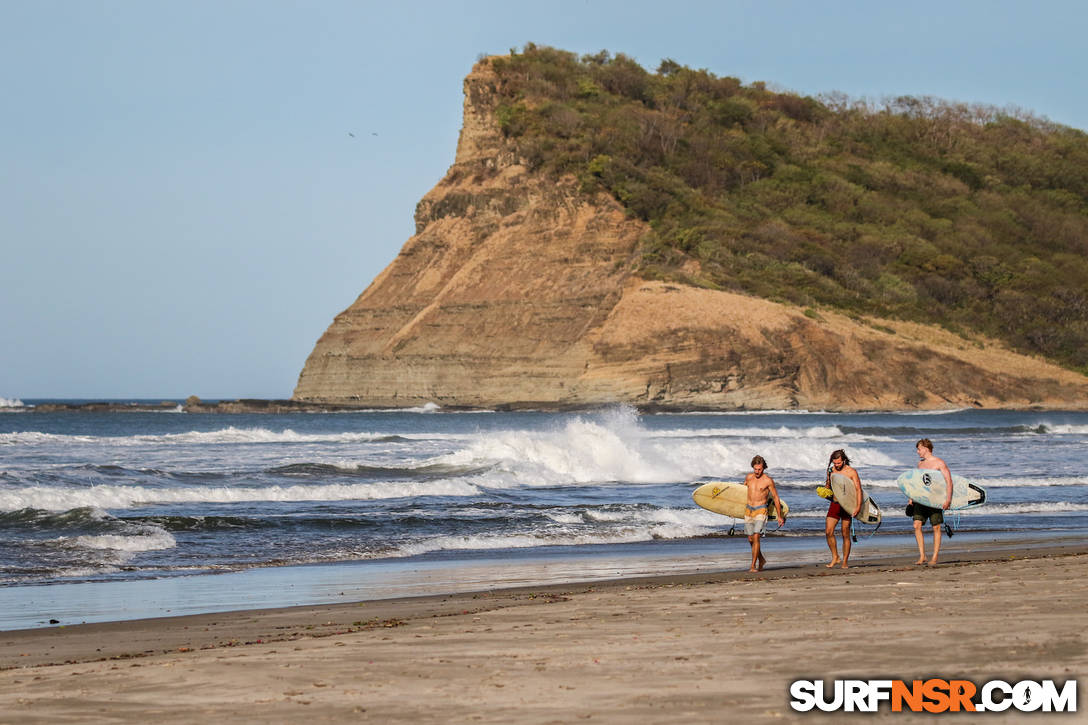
(840, 463)
(760, 490)
(923, 513)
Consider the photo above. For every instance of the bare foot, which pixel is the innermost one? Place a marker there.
(845, 565)
(833, 563)
(921, 561)
(762, 563)
(753, 570)
(933, 562)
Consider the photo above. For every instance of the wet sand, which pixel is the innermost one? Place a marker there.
(690, 648)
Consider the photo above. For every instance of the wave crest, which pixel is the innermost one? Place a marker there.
(125, 497)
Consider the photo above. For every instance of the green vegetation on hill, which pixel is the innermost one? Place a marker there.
(965, 216)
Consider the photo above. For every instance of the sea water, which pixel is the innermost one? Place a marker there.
(115, 515)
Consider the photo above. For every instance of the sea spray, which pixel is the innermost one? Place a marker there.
(113, 496)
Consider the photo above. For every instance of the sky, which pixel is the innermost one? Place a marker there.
(191, 190)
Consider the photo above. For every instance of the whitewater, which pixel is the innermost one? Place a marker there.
(116, 497)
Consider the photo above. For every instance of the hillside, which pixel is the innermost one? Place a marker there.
(677, 240)
(969, 217)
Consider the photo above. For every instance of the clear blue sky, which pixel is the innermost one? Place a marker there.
(182, 210)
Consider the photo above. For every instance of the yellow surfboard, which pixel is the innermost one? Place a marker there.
(730, 499)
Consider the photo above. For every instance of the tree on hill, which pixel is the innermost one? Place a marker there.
(966, 216)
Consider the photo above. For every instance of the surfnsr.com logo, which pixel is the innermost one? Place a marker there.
(934, 695)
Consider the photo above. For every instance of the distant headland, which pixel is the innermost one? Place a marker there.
(677, 240)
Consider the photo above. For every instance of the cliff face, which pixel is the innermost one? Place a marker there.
(518, 291)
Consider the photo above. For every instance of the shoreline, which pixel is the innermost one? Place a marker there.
(72, 603)
(128, 638)
(694, 648)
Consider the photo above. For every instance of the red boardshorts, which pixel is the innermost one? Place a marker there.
(834, 511)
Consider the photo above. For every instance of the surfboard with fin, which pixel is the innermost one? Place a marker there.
(928, 487)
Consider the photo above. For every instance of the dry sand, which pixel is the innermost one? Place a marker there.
(697, 648)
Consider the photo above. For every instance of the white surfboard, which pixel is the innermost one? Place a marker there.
(928, 487)
(847, 496)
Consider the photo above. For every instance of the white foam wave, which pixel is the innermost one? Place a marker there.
(11, 403)
(230, 435)
(693, 517)
(565, 518)
(1026, 507)
(582, 452)
(154, 540)
(1040, 481)
(615, 447)
(580, 528)
(123, 497)
(425, 408)
(256, 435)
(68, 572)
(36, 438)
(561, 537)
(1062, 428)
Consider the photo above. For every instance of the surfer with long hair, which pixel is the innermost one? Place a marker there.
(760, 492)
(839, 462)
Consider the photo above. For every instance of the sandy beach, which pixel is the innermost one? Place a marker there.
(694, 648)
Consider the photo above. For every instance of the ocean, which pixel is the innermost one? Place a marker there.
(117, 515)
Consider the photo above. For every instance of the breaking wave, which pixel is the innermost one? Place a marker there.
(230, 435)
(124, 497)
(615, 448)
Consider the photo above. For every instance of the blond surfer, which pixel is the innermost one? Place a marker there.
(840, 463)
(760, 490)
(922, 513)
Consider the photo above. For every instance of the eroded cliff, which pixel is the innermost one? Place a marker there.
(517, 291)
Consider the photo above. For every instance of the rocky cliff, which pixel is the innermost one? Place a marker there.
(517, 291)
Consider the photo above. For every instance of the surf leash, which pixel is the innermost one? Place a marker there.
(875, 529)
(870, 534)
(950, 530)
